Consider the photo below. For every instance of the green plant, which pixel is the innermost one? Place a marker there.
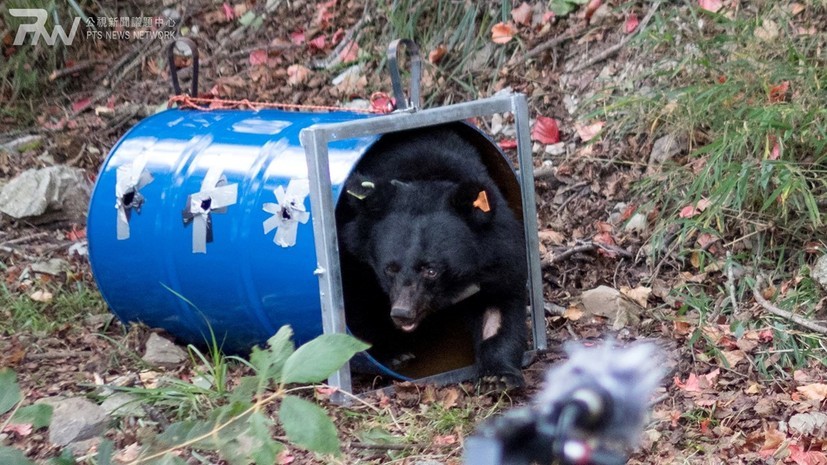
(564, 7)
(39, 415)
(68, 304)
(240, 429)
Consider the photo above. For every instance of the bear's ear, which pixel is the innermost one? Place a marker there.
(367, 196)
(474, 202)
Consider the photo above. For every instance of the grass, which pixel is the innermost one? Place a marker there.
(471, 64)
(752, 108)
(71, 302)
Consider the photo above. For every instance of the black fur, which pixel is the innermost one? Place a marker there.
(410, 217)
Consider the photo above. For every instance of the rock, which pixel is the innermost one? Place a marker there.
(54, 266)
(54, 189)
(76, 419)
(811, 423)
(819, 272)
(163, 352)
(123, 404)
(637, 223)
(665, 149)
(609, 303)
(82, 448)
(556, 149)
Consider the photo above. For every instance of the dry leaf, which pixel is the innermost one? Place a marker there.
(128, 454)
(258, 57)
(445, 440)
(437, 54)
(587, 132)
(573, 313)
(41, 296)
(733, 357)
(551, 237)
(451, 395)
(711, 5)
(816, 391)
(297, 75)
(522, 14)
(545, 130)
(502, 33)
(632, 23)
(639, 294)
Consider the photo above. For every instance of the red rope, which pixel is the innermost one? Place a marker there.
(380, 103)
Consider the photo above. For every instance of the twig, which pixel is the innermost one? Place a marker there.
(58, 354)
(801, 321)
(590, 247)
(83, 66)
(23, 239)
(551, 43)
(614, 49)
(546, 170)
(730, 281)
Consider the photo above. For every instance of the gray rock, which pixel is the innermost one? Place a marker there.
(123, 404)
(76, 419)
(82, 448)
(819, 272)
(163, 353)
(665, 149)
(53, 266)
(609, 303)
(637, 223)
(54, 189)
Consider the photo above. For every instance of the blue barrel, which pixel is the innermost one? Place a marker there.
(199, 223)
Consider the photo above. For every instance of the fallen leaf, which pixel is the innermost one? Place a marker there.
(81, 104)
(445, 440)
(318, 42)
(732, 357)
(449, 400)
(775, 152)
(502, 33)
(768, 31)
(350, 52)
(546, 130)
(806, 457)
(587, 132)
(692, 383)
(128, 454)
(778, 93)
(20, 429)
(41, 296)
(551, 237)
(591, 8)
(326, 390)
(573, 313)
(694, 210)
(285, 457)
(632, 23)
(639, 294)
(507, 144)
(437, 54)
(816, 391)
(323, 14)
(711, 5)
(258, 57)
(297, 74)
(76, 234)
(522, 14)
(228, 11)
(297, 37)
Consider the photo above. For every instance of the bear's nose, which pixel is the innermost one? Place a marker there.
(402, 313)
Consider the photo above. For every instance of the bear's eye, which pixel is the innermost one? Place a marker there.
(392, 268)
(428, 272)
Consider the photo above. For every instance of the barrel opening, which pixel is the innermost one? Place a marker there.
(442, 342)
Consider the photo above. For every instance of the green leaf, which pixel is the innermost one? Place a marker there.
(268, 448)
(270, 362)
(37, 415)
(105, 451)
(9, 456)
(308, 426)
(9, 391)
(65, 458)
(168, 459)
(319, 358)
(247, 18)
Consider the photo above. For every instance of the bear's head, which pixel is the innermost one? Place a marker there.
(422, 239)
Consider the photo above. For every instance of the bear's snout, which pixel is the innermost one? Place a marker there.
(403, 310)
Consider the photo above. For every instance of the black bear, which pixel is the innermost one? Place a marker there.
(424, 215)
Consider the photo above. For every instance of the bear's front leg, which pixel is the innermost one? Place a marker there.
(500, 341)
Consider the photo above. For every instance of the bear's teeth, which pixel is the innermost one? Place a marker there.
(409, 328)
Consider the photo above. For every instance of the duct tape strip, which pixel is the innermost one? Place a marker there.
(130, 178)
(288, 212)
(214, 197)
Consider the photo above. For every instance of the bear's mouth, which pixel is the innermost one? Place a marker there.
(406, 324)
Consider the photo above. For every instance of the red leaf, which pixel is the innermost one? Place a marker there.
(522, 14)
(711, 5)
(81, 104)
(502, 33)
(775, 152)
(437, 54)
(507, 144)
(337, 36)
(20, 429)
(692, 383)
(779, 93)
(258, 57)
(350, 52)
(228, 11)
(445, 440)
(631, 23)
(591, 8)
(297, 37)
(318, 42)
(76, 234)
(546, 130)
(323, 16)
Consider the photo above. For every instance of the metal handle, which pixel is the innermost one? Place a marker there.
(412, 103)
(173, 73)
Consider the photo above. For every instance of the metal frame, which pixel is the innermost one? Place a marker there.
(315, 141)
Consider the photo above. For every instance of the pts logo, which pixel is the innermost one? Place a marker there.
(38, 28)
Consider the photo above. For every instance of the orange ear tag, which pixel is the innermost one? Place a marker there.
(482, 202)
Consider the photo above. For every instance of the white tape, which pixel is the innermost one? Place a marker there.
(214, 197)
(288, 212)
(130, 178)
